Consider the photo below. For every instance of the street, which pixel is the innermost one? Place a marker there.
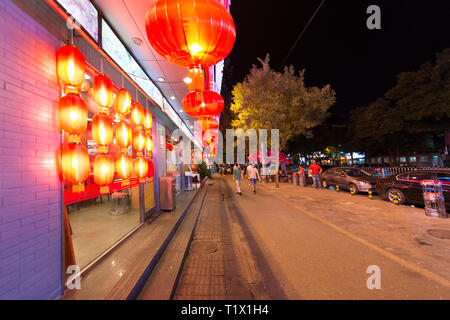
(300, 243)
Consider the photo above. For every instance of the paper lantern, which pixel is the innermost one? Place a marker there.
(104, 172)
(71, 66)
(124, 135)
(148, 121)
(148, 144)
(103, 91)
(209, 124)
(124, 167)
(123, 103)
(190, 32)
(151, 168)
(75, 165)
(137, 114)
(102, 131)
(73, 113)
(210, 137)
(197, 76)
(141, 168)
(139, 141)
(203, 104)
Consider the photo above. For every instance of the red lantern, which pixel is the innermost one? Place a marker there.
(102, 131)
(123, 102)
(190, 32)
(197, 77)
(71, 66)
(124, 135)
(103, 91)
(73, 113)
(148, 121)
(209, 124)
(148, 143)
(151, 168)
(104, 171)
(124, 166)
(75, 165)
(137, 114)
(139, 142)
(210, 137)
(141, 168)
(203, 104)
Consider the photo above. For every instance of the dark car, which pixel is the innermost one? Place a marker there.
(349, 178)
(407, 186)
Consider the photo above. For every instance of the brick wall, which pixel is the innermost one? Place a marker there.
(30, 190)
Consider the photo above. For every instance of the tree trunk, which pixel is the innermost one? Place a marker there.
(277, 179)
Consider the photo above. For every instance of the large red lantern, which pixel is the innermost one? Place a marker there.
(75, 165)
(123, 103)
(124, 166)
(190, 32)
(103, 91)
(104, 171)
(210, 137)
(124, 135)
(209, 124)
(141, 168)
(203, 104)
(137, 114)
(148, 121)
(148, 144)
(102, 131)
(71, 66)
(139, 142)
(73, 113)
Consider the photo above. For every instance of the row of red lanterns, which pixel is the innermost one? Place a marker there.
(73, 118)
(195, 34)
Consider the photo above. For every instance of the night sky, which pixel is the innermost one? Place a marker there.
(337, 48)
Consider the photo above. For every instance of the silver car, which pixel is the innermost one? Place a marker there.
(349, 178)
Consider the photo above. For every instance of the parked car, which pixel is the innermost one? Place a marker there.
(407, 186)
(348, 178)
(290, 168)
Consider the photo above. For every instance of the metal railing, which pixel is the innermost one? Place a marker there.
(389, 171)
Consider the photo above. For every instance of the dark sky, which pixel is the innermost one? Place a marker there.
(338, 49)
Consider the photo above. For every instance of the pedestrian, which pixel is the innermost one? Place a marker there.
(249, 168)
(315, 170)
(237, 176)
(301, 176)
(254, 176)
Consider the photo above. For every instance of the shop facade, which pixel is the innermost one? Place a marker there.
(45, 224)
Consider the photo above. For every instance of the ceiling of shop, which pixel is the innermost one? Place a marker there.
(127, 17)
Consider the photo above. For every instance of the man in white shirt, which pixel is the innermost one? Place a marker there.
(253, 174)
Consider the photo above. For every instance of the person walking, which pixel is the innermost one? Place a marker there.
(254, 176)
(301, 176)
(237, 177)
(315, 171)
(249, 168)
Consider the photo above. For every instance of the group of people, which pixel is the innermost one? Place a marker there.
(253, 175)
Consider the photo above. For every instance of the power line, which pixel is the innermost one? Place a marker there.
(301, 35)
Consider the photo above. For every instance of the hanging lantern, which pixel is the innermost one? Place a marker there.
(197, 76)
(149, 144)
(151, 168)
(209, 137)
(102, 131)
(123, 103)
(124, 167)
(71, 66)
(103, 92)
(124, 135)
(209, 124)
(103, 172)
(203, 104)
(141, 168)
(75, 165)
(137, 114)
(190, 32)
(139, 142)
(73, 113)
(148, 121)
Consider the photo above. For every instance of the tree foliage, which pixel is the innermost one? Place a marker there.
(267, 99)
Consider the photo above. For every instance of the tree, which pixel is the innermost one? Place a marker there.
(267, 99)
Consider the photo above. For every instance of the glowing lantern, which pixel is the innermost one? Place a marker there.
(103, 91)
(209, 124)
(75, 165)
(148, 144)
(102, 131)
(209, 137)
(151, 168)
(203, 104)
(148, 121)
(139, 142)
(197, 76)
(73, 113)
(71, 66)
(123, 102)
(124, 166)
(190, 32)
(124, 135)
(141, 168)
(103, 171)
(137, 114)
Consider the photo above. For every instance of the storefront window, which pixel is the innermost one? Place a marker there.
(174, 156)
(84, 13)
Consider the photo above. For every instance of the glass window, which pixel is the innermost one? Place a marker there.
(412, 159)
(424, 158)
(387, 160)
(403, 176)
(84, 13)
(419, 176)
(402, 159)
